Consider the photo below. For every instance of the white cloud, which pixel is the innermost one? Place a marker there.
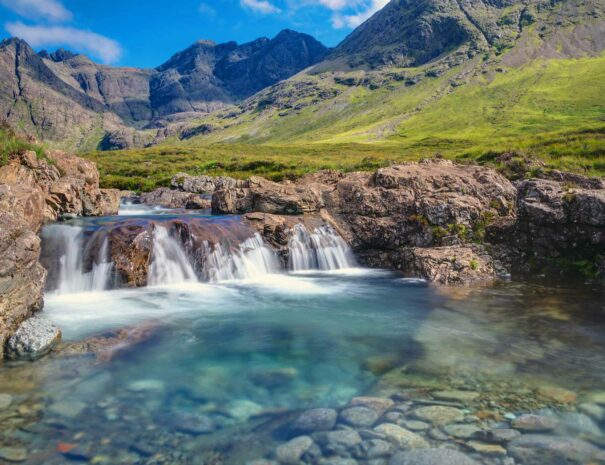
(351, 21)
(99, 46)
(207, 10)
(260, 6)
(50, 10)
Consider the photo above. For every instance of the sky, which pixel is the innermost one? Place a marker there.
(145, 33)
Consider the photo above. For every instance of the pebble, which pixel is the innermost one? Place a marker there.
(462, 431)
(68, 409)
(5, 401)
(319, 419)
(500, 435)
(464, 397)
(401, 437)
(560, 395)
(373, 449)
(509, 416)
(291, 452)
(484, 448)
(432, 457)
(535, 423)
(415, 425)
(439, 415)
(539, 449)
(339, 439)
(359, 416)
(379, 404)
(593, 410)
(13, 454)
(146, 385)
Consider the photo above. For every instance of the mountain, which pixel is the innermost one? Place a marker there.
(69, 99)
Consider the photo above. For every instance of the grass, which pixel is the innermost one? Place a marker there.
(11, 144)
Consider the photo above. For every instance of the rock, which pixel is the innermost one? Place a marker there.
(319, 419)
(373, 449)
(596, 398)
(464, 397)
(67, 408)
(192, 423)
(573, 423)
(487, 449)
(499, 435)
(5, 401)
(204, 184)
(243, 409)
(438, 415)
(271, 378)
(35, 338)
(595, 411)
(432, 457)
(462, 431)
(377, 404)
(535, 423)
(13, 454)
(291, 452)
(359, 417)
(401, 437)
(142, 385)
(560, 395)
(537, 449)
(168, 198)
(337, 442)
(415, 425)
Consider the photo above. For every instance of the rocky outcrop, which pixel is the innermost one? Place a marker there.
(35, 338)
(34, 191)
(204, 184)
(169, 198)
(448, 223)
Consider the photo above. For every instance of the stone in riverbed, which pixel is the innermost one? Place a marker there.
(432, 457)
(438, 415)
(499, 435)
(291, 452)
(319, 419)
(5, 401)
(359, 416)
(535, 423)
(464, 397)
(67, 408)
(487, 449)
(560, 395)
(539, 449)
(594, 411)
(373, 449)
(401, 437)
(191, 423)
(337, 442)
(13, 454)
(415, 425)
(35, 338)
(379, 404)
(462, 431)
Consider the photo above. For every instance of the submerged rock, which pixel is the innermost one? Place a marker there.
(401, 437)
(438, 415)
(35, 337)
(359, 416)
(13, 454)
(538, 449)
(432, 457)
(291, 452)
(535, 423)
(319, 419)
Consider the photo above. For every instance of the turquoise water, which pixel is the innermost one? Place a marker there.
(220, 362)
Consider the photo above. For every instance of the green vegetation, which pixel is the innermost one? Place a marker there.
(549, 113)
(11, 144)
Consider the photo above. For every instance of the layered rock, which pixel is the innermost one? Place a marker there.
(204, 184)
(169, 198)
(34, 191)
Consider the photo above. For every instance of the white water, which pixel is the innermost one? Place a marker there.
(170, 263)
(322, 249)
(72, 278)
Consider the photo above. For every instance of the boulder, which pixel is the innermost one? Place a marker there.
(204, 184)
(34, 338)
(169, 198)
(432, 457)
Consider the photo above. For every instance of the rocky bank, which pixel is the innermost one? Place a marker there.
(446, 222)
(34, 191)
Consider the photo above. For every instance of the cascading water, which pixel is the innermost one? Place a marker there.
(322, 249)
(73, 252)
(252, 259)
(170, 264)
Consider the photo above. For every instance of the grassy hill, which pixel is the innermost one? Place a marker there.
(553, 109)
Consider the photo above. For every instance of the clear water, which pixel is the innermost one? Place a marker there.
(241, 352)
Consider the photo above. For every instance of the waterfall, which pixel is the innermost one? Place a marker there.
(68, 242)
(252, 259)
(322, 249)
(170, 264)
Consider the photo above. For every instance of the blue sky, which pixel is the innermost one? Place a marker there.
(145, 33)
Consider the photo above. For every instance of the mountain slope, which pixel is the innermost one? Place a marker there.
(68, 99)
